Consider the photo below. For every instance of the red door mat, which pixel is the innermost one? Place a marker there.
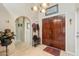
(53, 51)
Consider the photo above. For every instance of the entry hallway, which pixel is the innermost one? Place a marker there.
(58, 28)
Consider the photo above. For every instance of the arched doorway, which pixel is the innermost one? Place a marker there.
(23, 30)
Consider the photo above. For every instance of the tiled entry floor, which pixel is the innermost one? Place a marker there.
(32, 51)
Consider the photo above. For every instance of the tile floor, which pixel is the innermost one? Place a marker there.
(32, 51)
(22, 50)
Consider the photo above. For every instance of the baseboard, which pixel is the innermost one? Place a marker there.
(70, 53)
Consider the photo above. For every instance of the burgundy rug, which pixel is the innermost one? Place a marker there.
(53, 51)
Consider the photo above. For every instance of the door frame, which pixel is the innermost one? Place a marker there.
(76, 15)
(65, 26)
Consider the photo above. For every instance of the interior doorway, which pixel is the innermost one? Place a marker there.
(23, 31)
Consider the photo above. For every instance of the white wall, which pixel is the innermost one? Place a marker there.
(16, 10)
(4, 16)
(21, 9)
(69, 11)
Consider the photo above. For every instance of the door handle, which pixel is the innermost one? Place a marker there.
(77, 36)
(77, 32)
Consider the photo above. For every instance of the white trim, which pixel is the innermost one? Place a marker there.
(69, 52)
(41, 32)
(54, 15)
(31, 33)
(66, 31)
(27, 33)
(76, 48)
(75, 33)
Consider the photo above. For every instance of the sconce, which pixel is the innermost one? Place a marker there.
(7, 21)
(19, 25)
(70, 21)
(7, 24)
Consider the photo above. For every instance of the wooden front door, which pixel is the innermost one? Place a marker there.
(46, 32)
(54, 32)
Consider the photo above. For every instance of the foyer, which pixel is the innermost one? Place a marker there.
(56, 27)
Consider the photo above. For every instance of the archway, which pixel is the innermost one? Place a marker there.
(23, 30)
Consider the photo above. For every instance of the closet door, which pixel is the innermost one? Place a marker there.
(46, 32)
(58, 32)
